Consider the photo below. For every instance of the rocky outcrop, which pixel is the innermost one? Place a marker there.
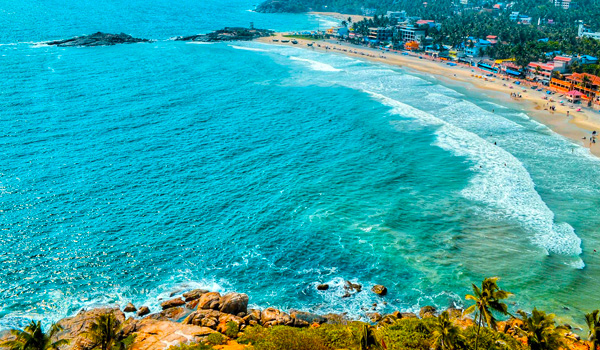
(98, 39)
(143, 311)
(209, 301)
(427, 311)
(159, 335)
(194, 294)
(302, 318)
(379, 289)
(171, 314)
(129, 308)
(272, 317)
(228, 34)
(172, 303)
(234, 303)
(74, 328)
(323, 286)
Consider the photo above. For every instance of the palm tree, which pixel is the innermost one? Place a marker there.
(104, 331)
(344, 24)
(487, 299)
(33, 337)
(445, 333)
(540, 330)
(593, 321)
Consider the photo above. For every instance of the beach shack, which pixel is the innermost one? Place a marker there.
(574, 96)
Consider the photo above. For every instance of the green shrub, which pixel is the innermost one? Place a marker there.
(215, 339)
(339, 336)
(232, 329)
(283, 338)
(193, 346)
(408, 333)
(489, 339)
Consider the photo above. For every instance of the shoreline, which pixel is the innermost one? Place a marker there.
(575, 127)
(340, 16)
(200, 316)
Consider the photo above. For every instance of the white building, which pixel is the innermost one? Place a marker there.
(584, 32)
(565, 4)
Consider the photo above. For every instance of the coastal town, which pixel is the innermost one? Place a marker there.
(410, 36)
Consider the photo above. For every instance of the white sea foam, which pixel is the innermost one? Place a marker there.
(248, 48)
(501, 182)
(315, 65)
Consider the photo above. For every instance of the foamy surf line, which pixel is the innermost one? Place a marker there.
(315, 65)
(246, 48)
(501, 182)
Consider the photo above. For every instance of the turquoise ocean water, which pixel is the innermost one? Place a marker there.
(131, 172)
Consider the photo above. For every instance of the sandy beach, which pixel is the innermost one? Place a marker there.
(341, 16)
(536, 104)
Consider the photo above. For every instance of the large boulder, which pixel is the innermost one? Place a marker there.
(143, 311)
(74, 328)
(374, 317)
(129, 308)
(427, 311)
(234, 303)
(209, 301)
(252, 317)
(379, 289)
(171, 314)
(194, 294)
(160, 335)
(205, 318)
(323, 286)
(172, 303)
(307, 317)
(273, 317)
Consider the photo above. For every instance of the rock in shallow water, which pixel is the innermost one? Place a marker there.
(143, 311)
(234, 303)
(172, 303)
(129, 308)
(379, 289)
(98, 39)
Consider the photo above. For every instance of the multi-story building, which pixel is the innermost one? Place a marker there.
(381, 34)
(410, 32)
(565, 4)
(587, 84)
(584, 32)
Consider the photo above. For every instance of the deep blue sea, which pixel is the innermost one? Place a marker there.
(132, 172)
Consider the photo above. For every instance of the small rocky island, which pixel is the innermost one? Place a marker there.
(229, 34)
(98, 39)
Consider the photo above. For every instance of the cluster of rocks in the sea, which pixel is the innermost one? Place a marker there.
(106, 39)
(229, 34)
(198, 313)
(98, 39)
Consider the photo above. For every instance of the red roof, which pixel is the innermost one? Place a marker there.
(511, 65)
(543, 66)
(425, 21)
(574, 93)
(491, 37)
(563, 58)
(595, 80)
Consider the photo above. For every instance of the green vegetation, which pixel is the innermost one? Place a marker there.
(487, 300)
(215, 339)
(232, 329)
(593, 321)
(557, 29)
(448, 331)
(33, 337)
(540, 330)
(193, 346)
